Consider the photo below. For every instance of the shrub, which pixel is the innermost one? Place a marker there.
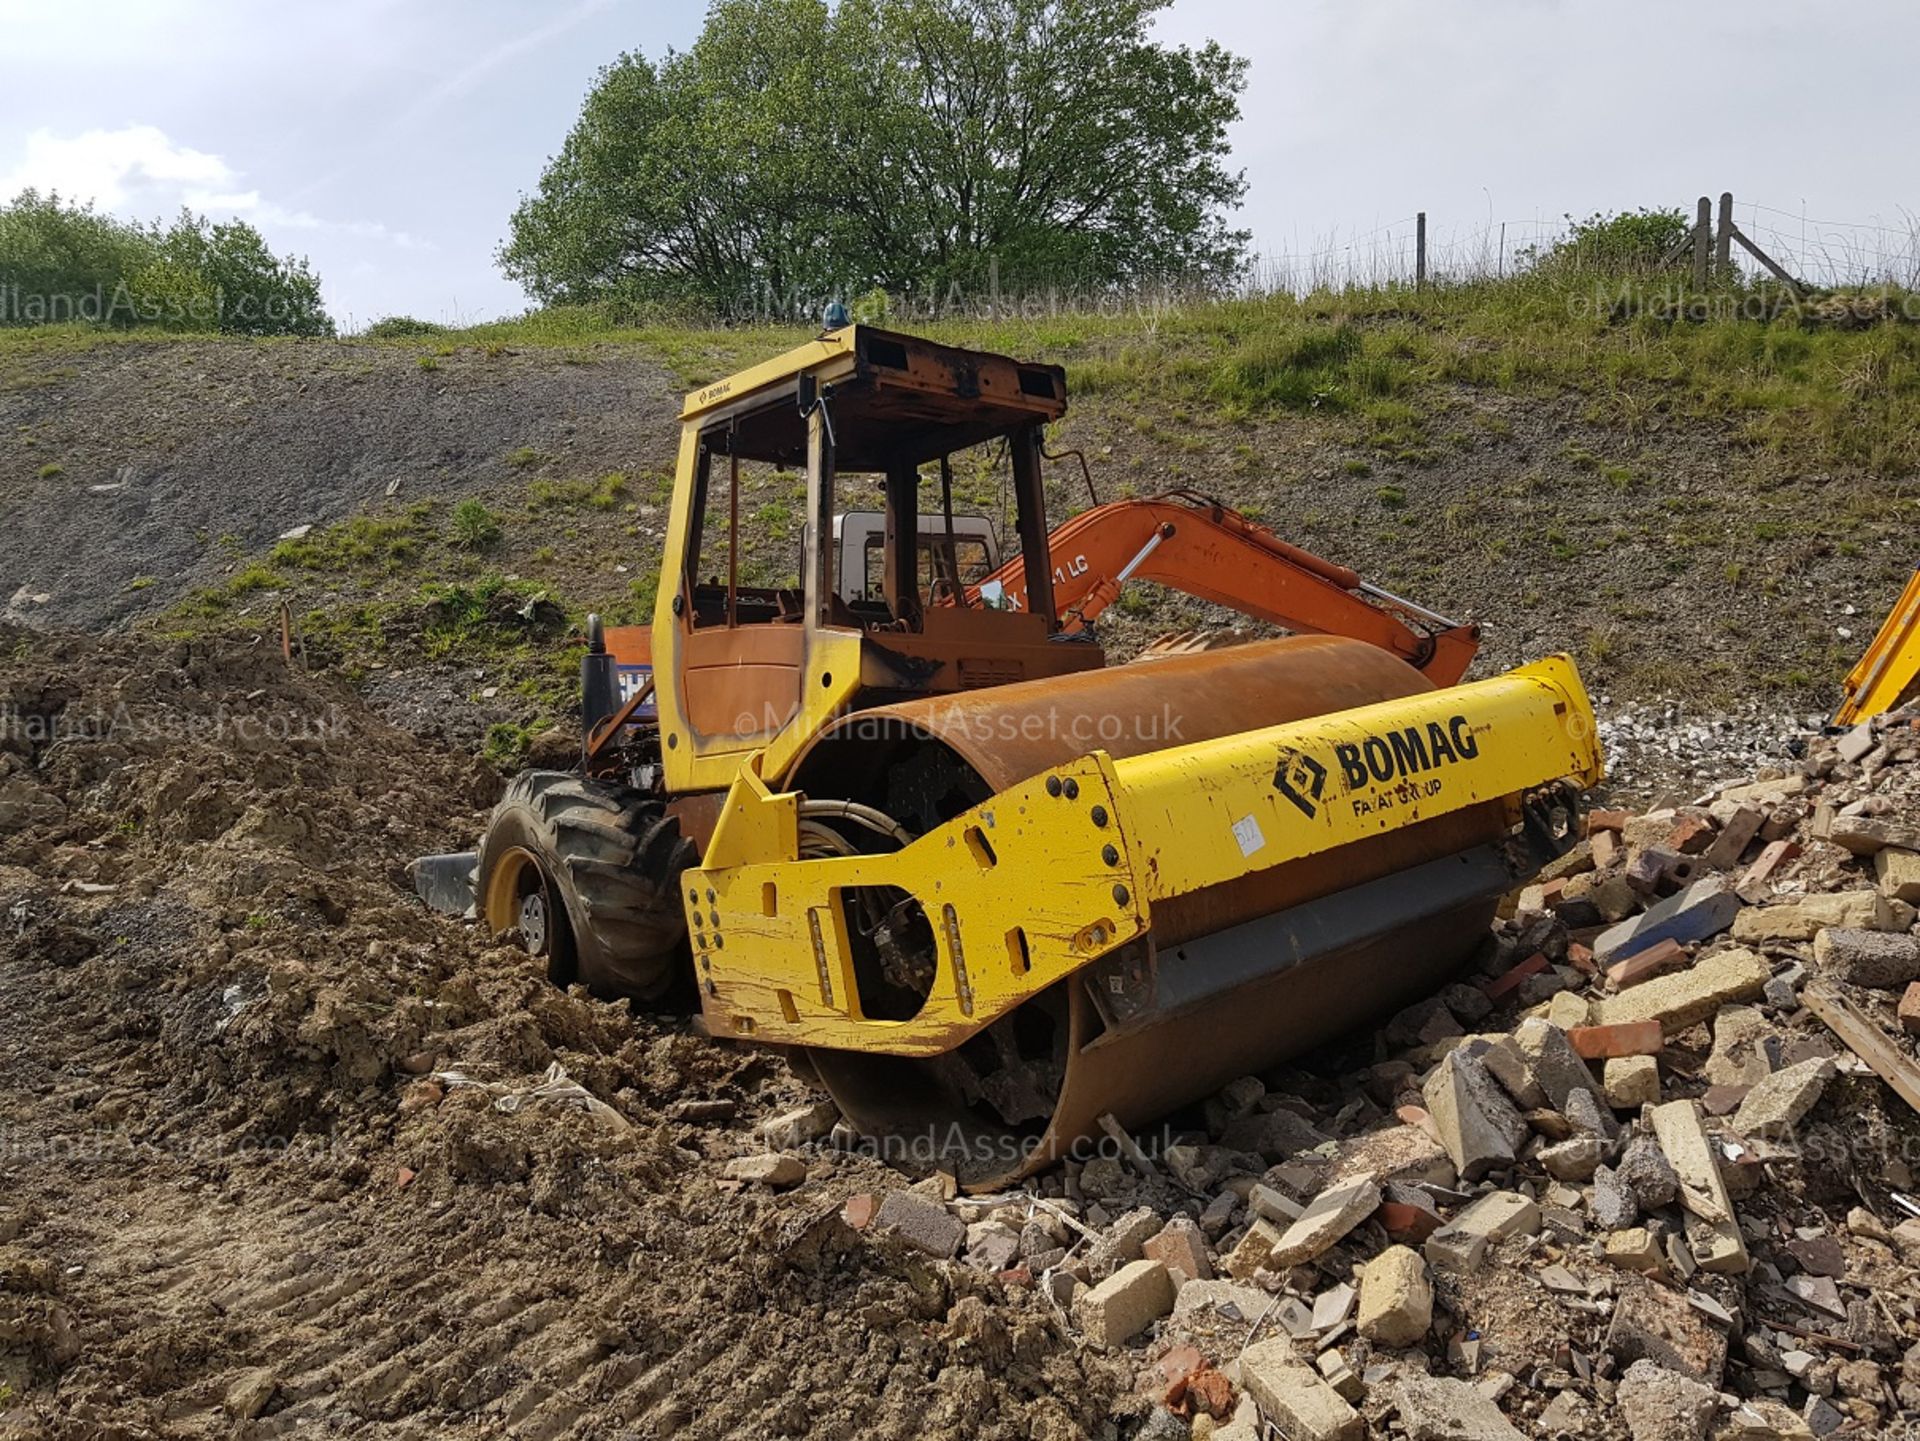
(474, 526)
(1626, 240)
(399, 327)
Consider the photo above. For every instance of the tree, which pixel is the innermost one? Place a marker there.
(62, 262)
(799, 150)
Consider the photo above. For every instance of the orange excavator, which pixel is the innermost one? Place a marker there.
(1195, 544)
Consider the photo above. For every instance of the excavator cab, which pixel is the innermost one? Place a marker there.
(744, 666)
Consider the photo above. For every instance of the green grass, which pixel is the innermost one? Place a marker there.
(375, 544)
(51, 469)
(474, 526)
(602, 494)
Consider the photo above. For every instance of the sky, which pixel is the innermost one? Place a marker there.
(389, 140)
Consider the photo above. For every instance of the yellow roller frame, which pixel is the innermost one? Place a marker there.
(1050, 874)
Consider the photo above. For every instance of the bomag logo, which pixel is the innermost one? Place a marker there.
(1381, 760)
(1403, 753)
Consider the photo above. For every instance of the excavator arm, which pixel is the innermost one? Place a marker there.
(1195, 544)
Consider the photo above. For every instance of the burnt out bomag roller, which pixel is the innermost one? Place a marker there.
(992, 886)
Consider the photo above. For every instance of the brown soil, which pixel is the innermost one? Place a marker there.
(215, 997)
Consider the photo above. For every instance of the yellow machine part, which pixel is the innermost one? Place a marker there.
(1158, 864)
(1886, 675)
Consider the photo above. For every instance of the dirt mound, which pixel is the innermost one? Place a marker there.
(144, 469)
(280, 1146)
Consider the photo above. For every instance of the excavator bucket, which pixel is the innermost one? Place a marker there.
(1148, 880)
(1889, 672)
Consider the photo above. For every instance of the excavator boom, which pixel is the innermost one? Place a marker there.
(1194, 544)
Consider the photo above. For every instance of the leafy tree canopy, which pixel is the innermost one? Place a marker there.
(800, 150)
(62, 262)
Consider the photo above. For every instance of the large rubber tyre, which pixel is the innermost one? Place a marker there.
(590, 875)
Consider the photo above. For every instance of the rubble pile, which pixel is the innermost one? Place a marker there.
(1636, 1177)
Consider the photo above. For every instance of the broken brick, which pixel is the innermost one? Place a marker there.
(1758, 877)
(1606, 820)
(1660, 959)
(1504, 985)
(1627, 1038)
(1734, 838)
(1897, 873)
(1910, 1010)
(1125, 1304)
(1691, 835)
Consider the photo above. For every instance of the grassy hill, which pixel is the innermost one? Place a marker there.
(1709, 507)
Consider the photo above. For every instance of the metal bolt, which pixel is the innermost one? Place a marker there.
(1119, 899)
(1110, 855)
(1099, 814)
(1072, 788)
(1053, 785)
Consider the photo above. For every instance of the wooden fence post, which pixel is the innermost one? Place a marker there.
(1723, 237)
(1702, 235)
(1420, 251)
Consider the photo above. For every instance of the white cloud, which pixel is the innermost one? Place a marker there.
(112, 167)
(138, 170)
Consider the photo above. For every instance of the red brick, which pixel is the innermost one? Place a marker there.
(1581, 957)
(1760, 873)
(1408, 1225)
(1662, 958)
(1598, 821)
(1910, 1010)
(858, 1212)
(1627, 1038)
(1501, 986)
(1691, 835)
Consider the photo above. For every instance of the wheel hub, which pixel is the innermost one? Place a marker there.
(533, 922)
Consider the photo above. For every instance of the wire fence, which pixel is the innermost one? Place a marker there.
(1828, 254)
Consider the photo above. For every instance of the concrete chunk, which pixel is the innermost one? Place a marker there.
(1780, 1102)
(1682, 1000)
(1295, 1397)
(1651, 1323)
(1739, 1057)
(1869, 835)
(1713, 1231)
(1126, 1303)
(1333, 1213)
(1663, 1405)
(1555, 1064)
(921, 1222)
(768, 1169)
(1478, 1125)
(1503, 1060)
(1703, 909)
(1252, 1251)
(1883, 960)
(1462, 1243)
(1396, 1298)
(1438, 1408)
